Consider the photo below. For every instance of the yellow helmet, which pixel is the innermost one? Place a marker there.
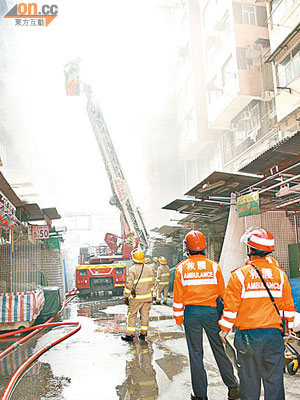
(155, 259)
(138, 257)
(162, 260)
(147, 260)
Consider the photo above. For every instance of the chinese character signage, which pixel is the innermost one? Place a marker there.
(248, 204)
(40, 231)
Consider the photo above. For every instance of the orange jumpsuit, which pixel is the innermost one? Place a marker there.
(198, 283)
(248, 306)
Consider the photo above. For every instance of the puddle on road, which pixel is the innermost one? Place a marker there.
(148, 361)
(41, 384)
(148, 370)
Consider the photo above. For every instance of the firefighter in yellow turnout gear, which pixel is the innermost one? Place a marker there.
(162, 279)
(138, 296)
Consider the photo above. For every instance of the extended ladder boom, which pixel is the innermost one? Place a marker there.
(122, 197)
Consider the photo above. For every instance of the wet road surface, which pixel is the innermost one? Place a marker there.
(95, 364)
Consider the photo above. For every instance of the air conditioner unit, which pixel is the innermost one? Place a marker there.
(246, 115)
(254, 50)
(267, 95)
(234, 126)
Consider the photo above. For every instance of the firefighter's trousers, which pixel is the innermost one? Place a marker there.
(143, 308)
(266, 364)
(197, 318)
(162, 291)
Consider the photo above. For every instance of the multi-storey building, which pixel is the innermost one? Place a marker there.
(196, 140)
(239, 87)
(283, 18)
(250, 60)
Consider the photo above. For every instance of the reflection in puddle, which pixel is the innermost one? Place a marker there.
(172, 364)
(37, 383)
(111, 323)
(43, 386)
(92, 309)
(140, 374)
(164, 336)
(140, 381)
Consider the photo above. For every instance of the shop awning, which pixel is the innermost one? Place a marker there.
(192, 206)
(222, 184)
(287, 151)
(52, 213)
(284, 45)
(35, 213)
(166, 230)
(9, 192)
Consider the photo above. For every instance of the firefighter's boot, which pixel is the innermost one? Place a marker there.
(142, 337)
(198, 398)
(127, 338)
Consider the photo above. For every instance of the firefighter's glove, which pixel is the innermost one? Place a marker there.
(126, 301)
(223, 335)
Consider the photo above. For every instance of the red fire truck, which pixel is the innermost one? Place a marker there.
(106, 269)
(100, 277)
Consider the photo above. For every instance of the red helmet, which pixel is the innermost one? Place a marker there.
(259, 239)
(195, 241)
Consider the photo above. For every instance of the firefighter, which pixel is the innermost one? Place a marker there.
(162, 281)
(138, 295)
(131, 239)
(197, 285)
(155, 268)
(248, 306)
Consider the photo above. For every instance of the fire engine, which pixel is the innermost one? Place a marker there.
(106, 270)
(101, 277)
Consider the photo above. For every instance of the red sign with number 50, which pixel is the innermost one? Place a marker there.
(40, 231)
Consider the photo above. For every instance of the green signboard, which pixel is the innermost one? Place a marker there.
(248, 204)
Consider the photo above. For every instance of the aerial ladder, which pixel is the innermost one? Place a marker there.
(131, 219)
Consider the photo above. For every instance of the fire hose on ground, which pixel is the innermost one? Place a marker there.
(6, 394)
(34, 330)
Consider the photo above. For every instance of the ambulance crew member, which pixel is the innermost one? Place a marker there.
(162, 280)
(138, 291)
(155, 268)
(248, 306)
(198, 283)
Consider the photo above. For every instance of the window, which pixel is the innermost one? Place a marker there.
(82, 272)
(119, 271)
(280, 8)
(249, 16)
(289, 68)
